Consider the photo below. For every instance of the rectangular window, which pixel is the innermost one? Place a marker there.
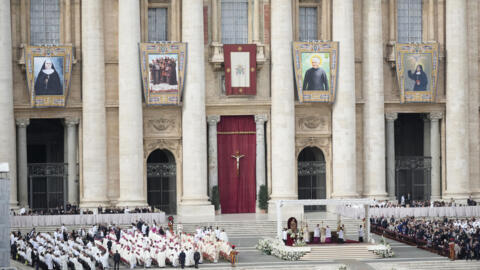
(234, 21)
(409, 21)
(307, 18)
(44, 22)
(157, 24)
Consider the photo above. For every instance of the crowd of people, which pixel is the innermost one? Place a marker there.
(406, 201)
(72, 209)
(138, 245)
(455, 238)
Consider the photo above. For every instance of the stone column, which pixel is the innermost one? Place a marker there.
(435, 154)
(130, 115)
(473, 115)
(457, 152)
(374, 123)
(260, 120)
(256, 21)
(283, 107)
(71, 124)
(212, 151)
(22, 161)
(343, 116)
(391, 117)
(426, 136)
(215, 25)
(94, 129)
(194, 201)
(8, 153)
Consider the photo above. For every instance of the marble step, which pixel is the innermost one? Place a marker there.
(429, 265)
(345, 251)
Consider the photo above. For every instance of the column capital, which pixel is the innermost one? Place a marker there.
(260, 119)
(391, 116)
(71, 121)
(22, 122)
(435, 116)
(213, 119)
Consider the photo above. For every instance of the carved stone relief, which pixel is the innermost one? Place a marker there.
(313, 123)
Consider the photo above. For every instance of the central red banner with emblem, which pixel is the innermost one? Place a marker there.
(240, 69)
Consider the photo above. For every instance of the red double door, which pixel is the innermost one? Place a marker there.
(236, 141)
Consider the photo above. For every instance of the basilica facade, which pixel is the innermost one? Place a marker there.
(107, 147)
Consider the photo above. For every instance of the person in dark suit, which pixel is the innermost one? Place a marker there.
(315, 77)
(109, 245)
(181, 259)
(196, 257)
(116, 260)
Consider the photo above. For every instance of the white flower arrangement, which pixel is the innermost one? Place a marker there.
(383, 249)
(277, 248)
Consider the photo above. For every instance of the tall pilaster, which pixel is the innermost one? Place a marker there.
(457, 152)
(71, 124)
(94, 185)
(256, 21)
(22, 125)
(473, 114)
(374, 123)
(212, 151)
(391, 117)
(260, 120)
(283, 107)
(194, 200)
(435, 154)
(130, 115)
(7, 121)
(343, 116)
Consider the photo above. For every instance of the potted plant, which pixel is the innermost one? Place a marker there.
(215, 199)
(263, 198)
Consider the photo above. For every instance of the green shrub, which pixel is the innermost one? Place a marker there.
(263, 197)
(215, 199)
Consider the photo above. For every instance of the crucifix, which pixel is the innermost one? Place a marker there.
(237, 156)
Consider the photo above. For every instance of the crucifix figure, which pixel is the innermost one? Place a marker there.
(237, 156)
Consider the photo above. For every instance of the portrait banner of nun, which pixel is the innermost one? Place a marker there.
(48, 74)
(163, 68)
(315, 66)
(417, 70)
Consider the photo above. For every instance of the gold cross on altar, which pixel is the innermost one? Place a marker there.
(237, 156)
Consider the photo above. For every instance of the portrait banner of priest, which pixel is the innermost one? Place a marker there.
(417, 72)
(240, 69)
(163, 67)
(49, 70)
(315, 66)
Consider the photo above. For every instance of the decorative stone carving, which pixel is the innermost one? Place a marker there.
(310, 122)
(435, 116)
(172, 145)
(22, 123)
(71, 121)
(213, 119)
(323, 143)
(391, 116)
(160, 125)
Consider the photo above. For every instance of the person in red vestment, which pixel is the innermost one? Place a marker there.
(292, 232)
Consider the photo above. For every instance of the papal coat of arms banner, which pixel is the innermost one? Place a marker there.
(163, 68)
(240, 69)
(315, 65)
(49, 69)
(417, 71)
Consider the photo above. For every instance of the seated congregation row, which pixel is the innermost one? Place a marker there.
(136, 245)
(72, 209)
(455, 238)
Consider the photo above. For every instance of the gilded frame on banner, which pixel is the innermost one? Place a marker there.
(316, 70)
(163, 67)
(417, 72)
(49, 70)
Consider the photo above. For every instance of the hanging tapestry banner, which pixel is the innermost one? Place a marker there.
(163, 68)
(417, 72)
(49, 69)
(316, 69)
(240, 69)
